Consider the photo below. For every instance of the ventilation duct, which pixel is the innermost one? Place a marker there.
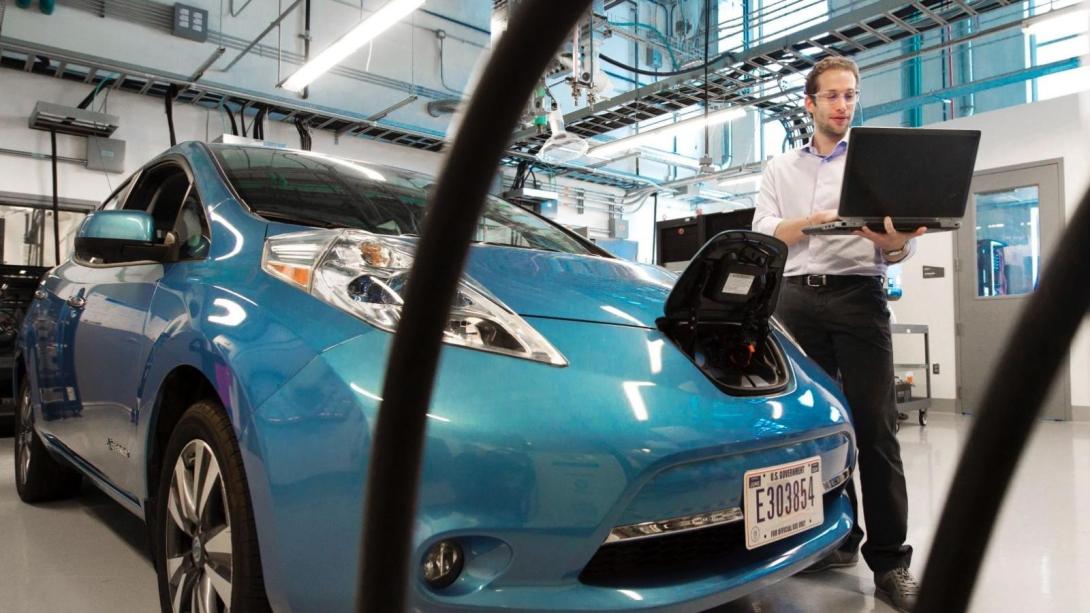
(70, 120)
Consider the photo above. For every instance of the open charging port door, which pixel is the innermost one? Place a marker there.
(719, 312)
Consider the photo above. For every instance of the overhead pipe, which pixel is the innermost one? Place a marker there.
(268, 28)
(56, 201)
(1009, 411)
(205, 65)
(306, 41)
(521, 56)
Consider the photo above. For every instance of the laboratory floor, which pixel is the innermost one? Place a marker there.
(88, 554)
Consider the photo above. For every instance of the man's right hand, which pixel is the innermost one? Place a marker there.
(820, 217)
(790, 230)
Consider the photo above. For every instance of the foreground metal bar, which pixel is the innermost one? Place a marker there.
(1035, 351)
(533, 35)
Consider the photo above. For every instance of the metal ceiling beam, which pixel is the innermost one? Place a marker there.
(264, 33)
(841, 21)
(863, 28)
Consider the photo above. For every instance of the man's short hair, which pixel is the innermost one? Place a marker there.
(825, 65)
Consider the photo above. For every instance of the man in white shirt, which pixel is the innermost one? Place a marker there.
(833, 302)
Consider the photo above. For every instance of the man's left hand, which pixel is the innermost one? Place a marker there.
(891, 239)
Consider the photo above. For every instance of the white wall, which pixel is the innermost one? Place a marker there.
(144, 129)
(1058, 128)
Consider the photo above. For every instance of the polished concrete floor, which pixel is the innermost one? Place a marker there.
(88, 554)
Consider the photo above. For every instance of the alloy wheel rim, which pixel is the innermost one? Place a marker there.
(198, 534)
(23, 438)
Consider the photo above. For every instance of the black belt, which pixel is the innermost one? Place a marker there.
(831, 280)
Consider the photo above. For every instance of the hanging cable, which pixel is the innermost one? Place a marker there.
(671, 73)
(231, 116)
(536, 30)
(304, 134)
(86, 102)
(172, 92)
(442, 36)
(259, 122)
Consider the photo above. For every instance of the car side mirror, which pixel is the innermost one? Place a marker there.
(110, 237)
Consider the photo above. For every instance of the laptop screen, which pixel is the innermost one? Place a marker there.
(908, 172)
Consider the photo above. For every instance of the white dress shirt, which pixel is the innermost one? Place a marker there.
(799, 183)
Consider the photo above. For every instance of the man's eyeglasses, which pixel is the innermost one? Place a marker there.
(850, 96)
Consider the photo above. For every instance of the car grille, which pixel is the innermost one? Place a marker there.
(673, 558)
(659, 559)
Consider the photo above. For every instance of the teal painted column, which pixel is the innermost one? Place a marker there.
(912, 82)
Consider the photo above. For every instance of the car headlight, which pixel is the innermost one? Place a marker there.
(365, 274)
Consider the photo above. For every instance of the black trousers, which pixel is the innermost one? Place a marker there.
(844, 327)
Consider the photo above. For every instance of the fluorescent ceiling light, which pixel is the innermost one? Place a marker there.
(379, 21)
(1045, 21)
(630, 142)
(669, 158)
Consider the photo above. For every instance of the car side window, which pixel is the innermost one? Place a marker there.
(191, 228)
(166, 192)
(118, 197)
(160, 191)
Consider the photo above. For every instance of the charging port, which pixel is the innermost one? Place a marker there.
(718, 312)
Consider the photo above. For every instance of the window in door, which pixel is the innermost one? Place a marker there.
(1008, 242)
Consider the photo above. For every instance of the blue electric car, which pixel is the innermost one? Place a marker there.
(602, 436)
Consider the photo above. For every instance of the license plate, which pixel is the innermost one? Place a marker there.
(781, 501)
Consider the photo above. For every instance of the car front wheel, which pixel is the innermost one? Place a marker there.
(39, 477)
(206, 552)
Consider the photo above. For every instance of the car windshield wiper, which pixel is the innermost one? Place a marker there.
(516, 246)
(299, 220)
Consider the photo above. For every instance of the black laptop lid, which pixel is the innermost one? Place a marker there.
(908, 172)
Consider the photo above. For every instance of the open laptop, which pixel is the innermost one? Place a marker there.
(918, 177)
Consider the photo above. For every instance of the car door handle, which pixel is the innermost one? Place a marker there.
(40, 294)
(77, 302)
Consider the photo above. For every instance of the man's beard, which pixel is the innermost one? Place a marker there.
(828, 129)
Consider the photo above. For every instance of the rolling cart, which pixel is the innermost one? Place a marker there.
(906, 400)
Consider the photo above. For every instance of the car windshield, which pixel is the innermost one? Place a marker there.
(324, 191)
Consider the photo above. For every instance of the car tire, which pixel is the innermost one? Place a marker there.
(206, 551)
(39, 477)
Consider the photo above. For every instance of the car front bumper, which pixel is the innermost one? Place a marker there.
(531, 467)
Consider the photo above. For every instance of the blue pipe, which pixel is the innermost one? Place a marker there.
(654, 30)
(1018, 76)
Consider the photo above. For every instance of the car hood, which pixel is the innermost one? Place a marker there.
(578, 287)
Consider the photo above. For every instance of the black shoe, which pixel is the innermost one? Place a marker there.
(837, 559)
(898, 588)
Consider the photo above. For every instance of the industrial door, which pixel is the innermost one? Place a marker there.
(1012, 223)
